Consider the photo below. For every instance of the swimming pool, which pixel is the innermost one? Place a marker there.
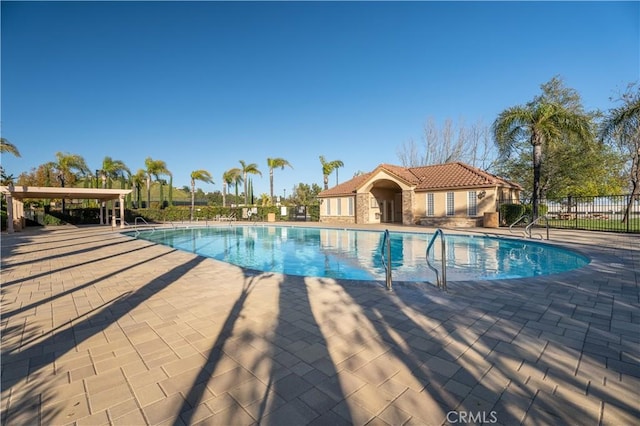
(355, 254)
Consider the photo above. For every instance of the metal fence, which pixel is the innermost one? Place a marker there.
(595, 213)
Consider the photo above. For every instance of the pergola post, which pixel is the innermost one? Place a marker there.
(121, 199)
(15, 197)
(10, 229)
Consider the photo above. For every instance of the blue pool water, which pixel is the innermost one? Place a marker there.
(355, 254)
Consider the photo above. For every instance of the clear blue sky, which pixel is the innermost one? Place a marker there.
(202, 85)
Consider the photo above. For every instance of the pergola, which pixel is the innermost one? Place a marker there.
(16, 194)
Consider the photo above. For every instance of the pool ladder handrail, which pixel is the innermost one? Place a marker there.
(386, 244)
(441, 283)
(527, 230)
(233, 216)
(518, 220)
(141, 219)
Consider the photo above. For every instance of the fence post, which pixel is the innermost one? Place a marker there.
(630, 200)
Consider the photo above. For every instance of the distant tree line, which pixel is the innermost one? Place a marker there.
(550, 145)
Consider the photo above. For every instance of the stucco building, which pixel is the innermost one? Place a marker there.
(452, 194)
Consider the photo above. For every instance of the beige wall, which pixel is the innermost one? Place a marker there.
(485, 204)
(339, 209)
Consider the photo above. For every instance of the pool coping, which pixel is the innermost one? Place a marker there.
(499, 233)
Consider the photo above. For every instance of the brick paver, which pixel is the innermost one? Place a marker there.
(101, 328)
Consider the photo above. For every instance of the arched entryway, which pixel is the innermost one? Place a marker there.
(386, 201)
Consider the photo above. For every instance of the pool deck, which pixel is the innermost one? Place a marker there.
(99, 328)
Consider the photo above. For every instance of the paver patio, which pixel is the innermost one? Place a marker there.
(100, 328)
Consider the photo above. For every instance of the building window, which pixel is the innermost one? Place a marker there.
(339, 207)
(430, 207)
(350, 206)
(328, 206)
(451, 210)
(472, 203)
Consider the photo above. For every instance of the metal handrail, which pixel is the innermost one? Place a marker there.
(232, 216)
(524, 216)
(141, 219)
(135, 225)
(527, 230)
(386, 243)
(440, 283)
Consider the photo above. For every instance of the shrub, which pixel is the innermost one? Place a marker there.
(509, 213)
(543, 209)
(52, 220)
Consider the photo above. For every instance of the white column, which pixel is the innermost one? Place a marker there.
(113, 215)
(121, 211)
(10, 229)
(18, 214)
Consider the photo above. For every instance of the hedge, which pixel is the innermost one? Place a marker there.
(509, 213)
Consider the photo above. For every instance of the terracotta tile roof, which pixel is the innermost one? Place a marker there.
(456, 175)
(345, 188)
(425, 178)
(403, 173)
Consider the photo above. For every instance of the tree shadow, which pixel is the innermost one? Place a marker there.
(73, 243)
(499, 350)
(75, 252)
(24, 308)
(284, 372)
(33, 357)
(304, 385)
(317, 351)
(197, 390)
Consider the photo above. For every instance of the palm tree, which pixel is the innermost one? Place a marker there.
(327, 168)
(237, 180)
(170, 189)
(154, 168)
(228, 178)
(113, 169)
(8, 147)
(68, 166)
(137, 180)
(265, 200)
(542, 123)
(201, 175)
(246, 169)
(623, 126)
(274, 163)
